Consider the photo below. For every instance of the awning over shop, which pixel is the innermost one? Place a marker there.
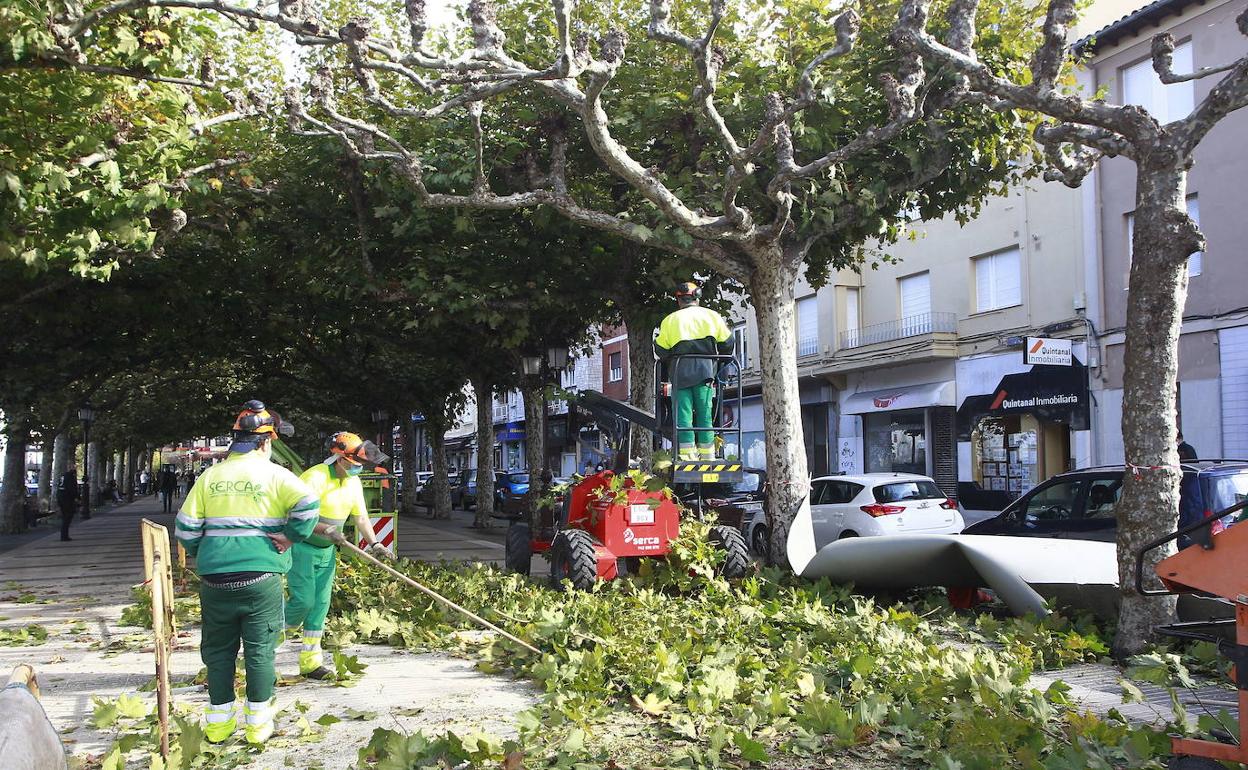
(456, 443)
(1053, 393)
(908, 397)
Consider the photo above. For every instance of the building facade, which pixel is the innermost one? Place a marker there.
(1212, 404)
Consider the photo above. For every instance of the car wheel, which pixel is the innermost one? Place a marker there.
(847, 533)
(758, 540)
(572, 558)
(736, 556)
(518, 556)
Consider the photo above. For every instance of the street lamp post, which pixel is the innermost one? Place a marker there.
(86, 413)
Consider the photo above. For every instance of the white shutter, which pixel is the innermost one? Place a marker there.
(1233, 355)
(916, 295)
(807, 327)
(1196, 262)
(851, 310)
(1007, 277)
(1141, 86)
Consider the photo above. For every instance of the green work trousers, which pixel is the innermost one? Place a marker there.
(310, 583)
(693, 410)
(252, 616)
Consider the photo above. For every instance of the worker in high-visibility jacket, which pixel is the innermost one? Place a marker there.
(239, 521)
(311, 579)
(693, 331)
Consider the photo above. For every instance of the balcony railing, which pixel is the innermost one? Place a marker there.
(910, 326)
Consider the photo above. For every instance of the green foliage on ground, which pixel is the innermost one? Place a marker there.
(23, 636)
(678, 668)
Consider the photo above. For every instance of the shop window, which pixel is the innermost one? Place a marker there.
(807, 326)
(1056, 503)
(896, 442)
(998, 281)
(1141, 86)
(1005, 454)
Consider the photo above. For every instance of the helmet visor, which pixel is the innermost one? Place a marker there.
(366, 453)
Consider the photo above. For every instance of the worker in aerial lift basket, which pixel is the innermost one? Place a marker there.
(693, 331)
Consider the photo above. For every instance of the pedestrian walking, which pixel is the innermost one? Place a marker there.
(67, 497)
(145, 482)
(239, 522)
(313, 562)
(168, 485)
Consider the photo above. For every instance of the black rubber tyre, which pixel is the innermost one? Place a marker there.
(736, 556)
(518, 556)
(572, 558)
(1194, 763)
(758, 540)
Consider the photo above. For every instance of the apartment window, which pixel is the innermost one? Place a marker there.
(615, 365)
(1195, 263)
(807, 327)
(998, 280)
(1141, 86)
(851, 310)
(741, 344)
(916, 295)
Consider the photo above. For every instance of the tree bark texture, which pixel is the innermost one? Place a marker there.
(131, 452)
(641, 383)
(441, 484)
(534, 440)
(485, 454)
(1164, 237)
(45, 472)
(13, 486)
(62, 453)
(788, 477)
(95, 462)
(408, 429)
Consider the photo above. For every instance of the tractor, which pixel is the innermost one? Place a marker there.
(604, 523)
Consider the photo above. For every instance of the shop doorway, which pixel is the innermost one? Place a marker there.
(1013, 453)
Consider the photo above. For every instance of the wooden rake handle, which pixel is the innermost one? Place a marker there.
(439, 597)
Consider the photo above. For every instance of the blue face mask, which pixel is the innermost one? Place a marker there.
(355, 470)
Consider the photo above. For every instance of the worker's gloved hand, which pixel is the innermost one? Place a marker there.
(380, 551)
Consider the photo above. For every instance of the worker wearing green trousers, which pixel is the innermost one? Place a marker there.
(251, 616)
(688, 342)
(693, 407)
(239, 522)
(310, 582)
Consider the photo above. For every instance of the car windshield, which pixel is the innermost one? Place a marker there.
(748, 484)
(1225, 490)
(898, 491)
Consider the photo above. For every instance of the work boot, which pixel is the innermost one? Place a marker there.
(706, 453)
(688, 452)
(321, 673)
(220, 722)
(311, 659)
(260, 720)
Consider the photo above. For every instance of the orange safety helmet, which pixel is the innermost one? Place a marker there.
(687, 289)
(256, 423)
(354, 449)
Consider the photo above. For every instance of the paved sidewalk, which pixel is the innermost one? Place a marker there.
(86, 584)
(455, 539)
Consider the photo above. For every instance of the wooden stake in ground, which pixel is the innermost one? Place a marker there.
(437, 596)
(158, 569)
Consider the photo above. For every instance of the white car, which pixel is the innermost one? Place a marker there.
(874, 504)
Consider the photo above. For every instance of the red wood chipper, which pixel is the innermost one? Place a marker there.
(1213, 564)
(604, 524)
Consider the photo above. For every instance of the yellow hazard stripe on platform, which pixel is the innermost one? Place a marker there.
(704, 468)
